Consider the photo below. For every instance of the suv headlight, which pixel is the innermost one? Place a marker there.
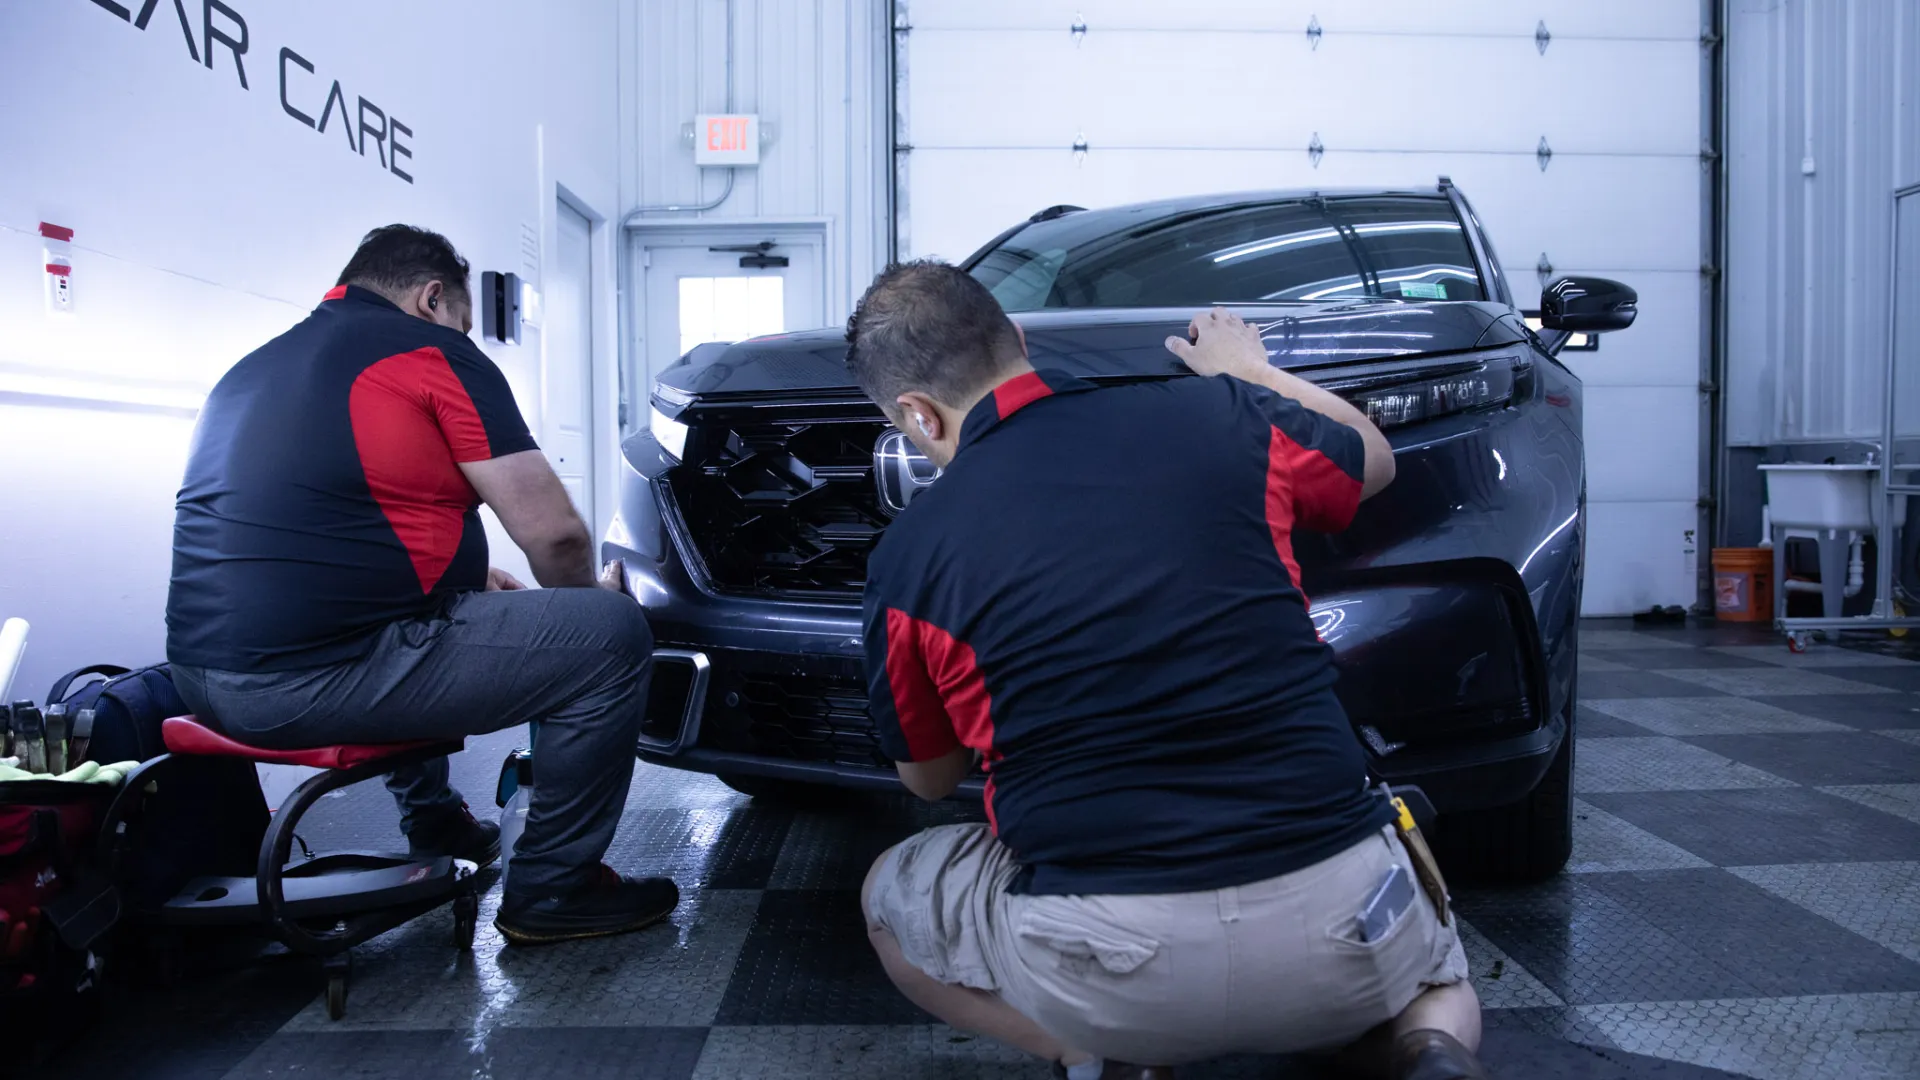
(671, 434)
(1392, 399)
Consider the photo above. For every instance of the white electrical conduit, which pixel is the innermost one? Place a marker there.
(13, 643)
(641, 211)
(624, 271)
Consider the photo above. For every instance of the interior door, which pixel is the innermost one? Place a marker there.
(695, 294)
(567, 423)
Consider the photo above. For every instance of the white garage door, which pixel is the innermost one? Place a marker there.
(1574, 128)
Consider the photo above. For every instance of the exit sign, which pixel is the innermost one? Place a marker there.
(726, 139)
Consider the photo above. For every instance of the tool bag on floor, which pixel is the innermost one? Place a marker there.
(208, 817)
(48, 983)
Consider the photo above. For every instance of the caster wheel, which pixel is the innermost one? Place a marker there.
(466, 919)
(336, 996)
(1798, 641)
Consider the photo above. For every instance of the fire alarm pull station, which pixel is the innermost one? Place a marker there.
(56, 243)
(726, 139)
(500, 306)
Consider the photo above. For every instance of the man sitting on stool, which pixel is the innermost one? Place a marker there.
(1098, 599)
(330, 581)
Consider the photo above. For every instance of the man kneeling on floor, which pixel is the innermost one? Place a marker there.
(330, 581)
(1098, 599)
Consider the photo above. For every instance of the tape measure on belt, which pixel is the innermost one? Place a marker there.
(1425, 867)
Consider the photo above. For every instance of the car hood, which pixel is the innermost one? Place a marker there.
(1106, 344)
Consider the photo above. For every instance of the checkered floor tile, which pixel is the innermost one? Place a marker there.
(1741, 900)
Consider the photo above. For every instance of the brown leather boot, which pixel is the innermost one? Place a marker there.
(1429, 1054)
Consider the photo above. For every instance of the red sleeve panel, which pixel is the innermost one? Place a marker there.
(1326, 460)
(928, 695)
(412, 423)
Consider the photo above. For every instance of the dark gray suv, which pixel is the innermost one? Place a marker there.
(748, 507)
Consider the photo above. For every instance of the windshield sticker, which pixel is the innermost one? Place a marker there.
(1424, 290)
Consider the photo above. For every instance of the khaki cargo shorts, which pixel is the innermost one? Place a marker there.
(1272, 967)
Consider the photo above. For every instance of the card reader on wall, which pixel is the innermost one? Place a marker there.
(500, 306)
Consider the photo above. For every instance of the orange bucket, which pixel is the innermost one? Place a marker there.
(1743, 584)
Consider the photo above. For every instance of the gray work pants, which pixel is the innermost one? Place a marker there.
(575, 660)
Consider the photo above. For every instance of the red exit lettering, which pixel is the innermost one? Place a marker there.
(727, 133)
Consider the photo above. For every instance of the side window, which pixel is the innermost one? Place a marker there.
(1312, 249)
(1494, 270)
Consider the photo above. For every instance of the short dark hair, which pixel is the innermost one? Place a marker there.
(930, 327)
(395, 258)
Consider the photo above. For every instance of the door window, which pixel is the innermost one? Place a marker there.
(731, 308)
(1332, 249)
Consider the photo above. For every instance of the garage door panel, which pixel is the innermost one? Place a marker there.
(1639, 213)
(1134, 89)
(1635, 557)
(1661, 348)
(992, 89)
(1564, 18)
(1642, 442)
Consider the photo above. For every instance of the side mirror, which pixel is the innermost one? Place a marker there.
(1588, 305)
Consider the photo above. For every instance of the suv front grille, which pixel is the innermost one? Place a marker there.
(783, 509)
(811, 718)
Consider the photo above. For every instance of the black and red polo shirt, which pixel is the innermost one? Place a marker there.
(323, 497)
(1100, 596)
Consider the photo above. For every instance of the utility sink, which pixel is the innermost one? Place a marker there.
(1822, 496)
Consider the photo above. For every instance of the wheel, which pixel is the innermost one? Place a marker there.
(466, 918)
(336, 996)
(1798, 640)
(786, 792)
(1522, 841)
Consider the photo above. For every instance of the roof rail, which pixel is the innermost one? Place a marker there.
(1446, 182)
(1052, 212)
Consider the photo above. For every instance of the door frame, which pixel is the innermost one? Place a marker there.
(603, 333)
(809, 232)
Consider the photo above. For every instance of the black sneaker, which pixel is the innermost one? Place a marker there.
(457, 833)
(1428, 1054)
(611, 905)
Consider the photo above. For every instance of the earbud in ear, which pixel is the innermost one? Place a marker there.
(926, 428)
(433, 302)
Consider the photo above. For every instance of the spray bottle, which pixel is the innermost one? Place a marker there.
(514, 794)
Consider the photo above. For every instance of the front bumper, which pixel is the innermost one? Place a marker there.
(1451, 607)
(1441, 674)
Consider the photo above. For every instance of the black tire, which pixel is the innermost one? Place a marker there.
(792, 793)
(1524, 841)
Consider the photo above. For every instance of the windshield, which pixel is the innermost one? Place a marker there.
(1309, 249)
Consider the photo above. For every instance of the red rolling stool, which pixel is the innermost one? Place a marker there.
(329, 903)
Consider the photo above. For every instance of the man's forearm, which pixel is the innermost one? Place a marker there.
(1325, 402)
(936, 779)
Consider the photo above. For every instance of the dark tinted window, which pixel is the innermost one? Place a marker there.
(1401, 247)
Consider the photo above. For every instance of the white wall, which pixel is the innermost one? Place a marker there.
(208, 220)
(816, 70)
(1823, 124)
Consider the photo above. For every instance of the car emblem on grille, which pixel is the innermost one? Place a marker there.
(900, 470)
